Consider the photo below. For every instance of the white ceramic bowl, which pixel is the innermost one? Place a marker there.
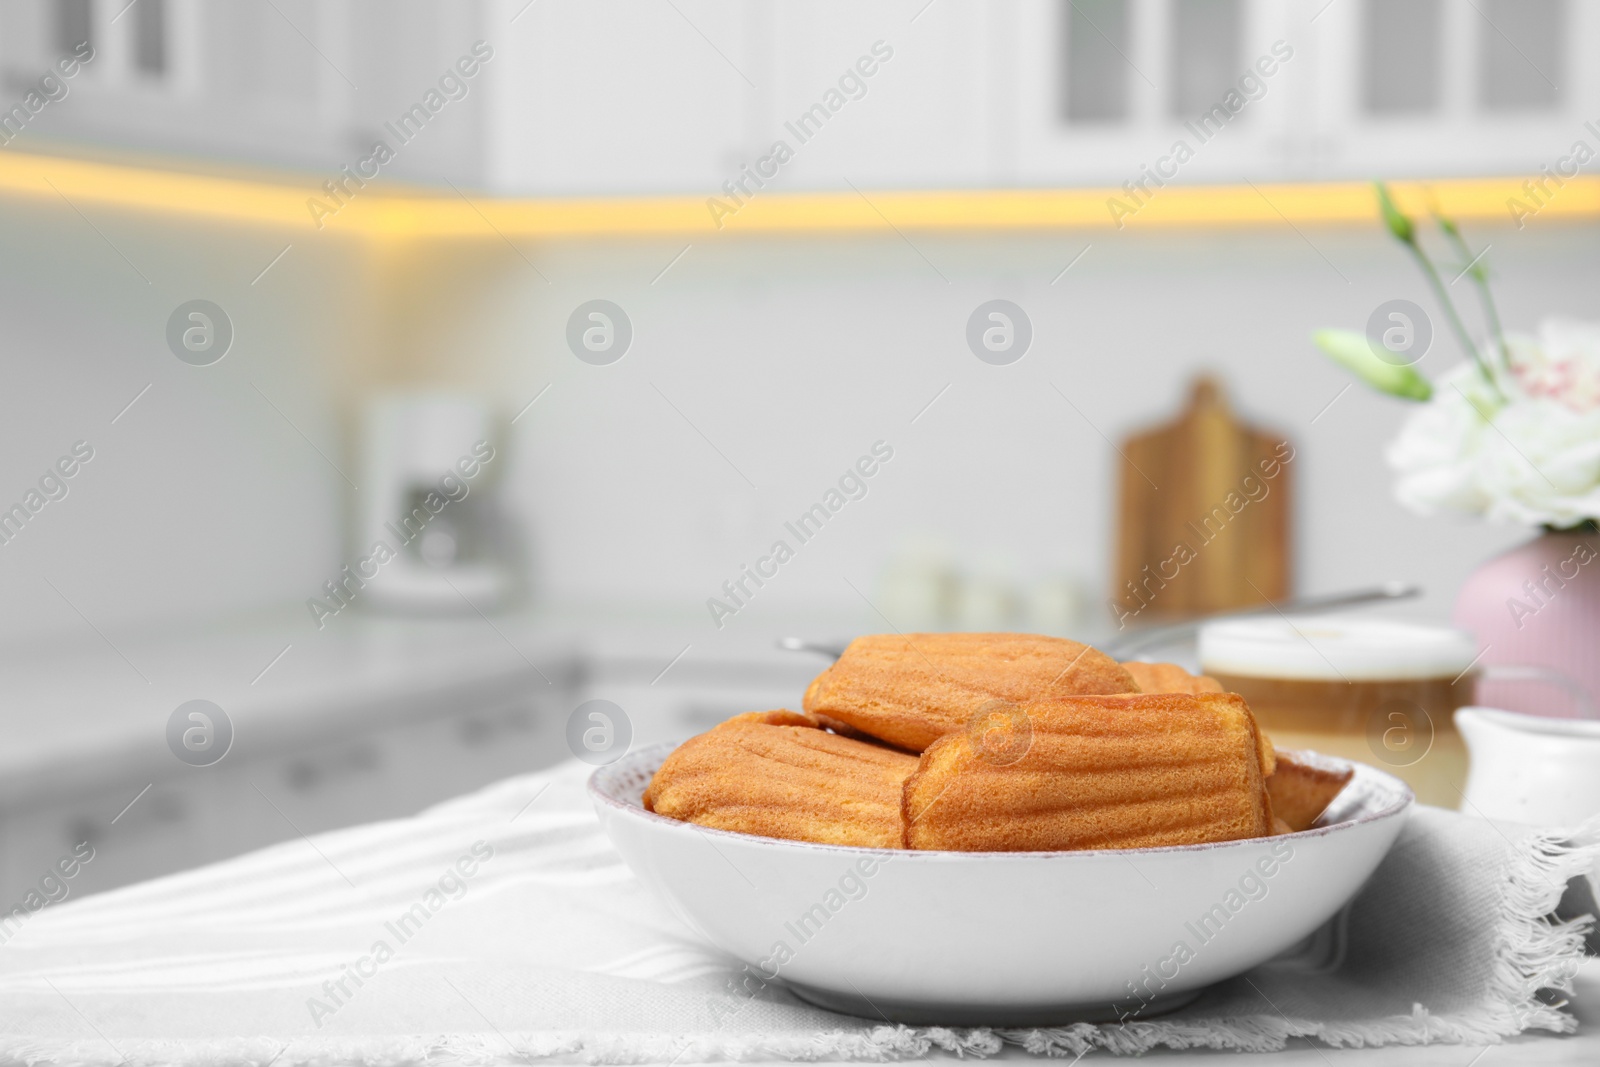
(999, 938)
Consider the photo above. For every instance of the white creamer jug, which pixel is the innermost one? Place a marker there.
(1531, 769)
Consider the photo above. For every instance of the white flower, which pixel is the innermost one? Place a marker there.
(1563, 364)
(1532, 457)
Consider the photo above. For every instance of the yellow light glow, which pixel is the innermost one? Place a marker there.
(425, 214)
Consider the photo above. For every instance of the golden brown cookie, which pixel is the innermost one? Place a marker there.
(1095, 772)
(779, 774)
(1170, 678)
(909, 690)
(1303, 786)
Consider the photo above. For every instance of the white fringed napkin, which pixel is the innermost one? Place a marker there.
(503, 926)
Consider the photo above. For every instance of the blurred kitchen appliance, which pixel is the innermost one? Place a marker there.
(432, 537)
(1203, 521)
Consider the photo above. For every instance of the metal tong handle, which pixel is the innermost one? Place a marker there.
(821, 648)
(1161, 635)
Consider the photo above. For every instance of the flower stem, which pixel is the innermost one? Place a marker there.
(1480, 278)
(1456, 324)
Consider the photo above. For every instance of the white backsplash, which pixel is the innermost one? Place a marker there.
(754, 362)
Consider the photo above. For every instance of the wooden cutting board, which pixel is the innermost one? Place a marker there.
(1204, 515)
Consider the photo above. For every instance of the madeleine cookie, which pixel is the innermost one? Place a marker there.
(1170, 678)
(1091, 772)
(1303, 786)
(910, 690)
(779, 774)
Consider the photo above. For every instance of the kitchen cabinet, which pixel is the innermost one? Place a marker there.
(282, 83)
(356, 763)
(638, 97)
(161, 832)
(693, 697)
(375, 719)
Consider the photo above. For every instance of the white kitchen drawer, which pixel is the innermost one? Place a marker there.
(323, 773)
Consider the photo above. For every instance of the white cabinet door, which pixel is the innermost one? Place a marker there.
(923, 116)
(629, 96)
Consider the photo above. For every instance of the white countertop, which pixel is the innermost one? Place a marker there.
(73, 712)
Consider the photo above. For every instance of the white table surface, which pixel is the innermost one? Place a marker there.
(90, 713)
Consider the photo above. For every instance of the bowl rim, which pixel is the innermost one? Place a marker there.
(605, 775)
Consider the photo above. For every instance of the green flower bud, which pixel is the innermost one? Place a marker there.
(1352, 350)
(1398, 223)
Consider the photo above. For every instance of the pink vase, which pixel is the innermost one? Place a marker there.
(1536, 613)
